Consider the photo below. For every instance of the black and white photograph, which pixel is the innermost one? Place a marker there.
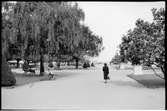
(82, 55)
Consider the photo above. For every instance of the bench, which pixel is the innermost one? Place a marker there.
(29, 68)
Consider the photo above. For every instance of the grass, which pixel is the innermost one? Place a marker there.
(149, 80)
(23, 79)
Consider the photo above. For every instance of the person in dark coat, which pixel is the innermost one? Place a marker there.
(105, 72)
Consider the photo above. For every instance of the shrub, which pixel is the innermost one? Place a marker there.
(8, 78)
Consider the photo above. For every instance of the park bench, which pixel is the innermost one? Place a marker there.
(12, 63)
(29, 68)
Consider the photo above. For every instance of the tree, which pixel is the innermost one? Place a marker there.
(131, 47)
(30, 28)
(145, 43)
(50, 28)
(7, 76)
(89, 45)
(66, 32)
(156, 45)
(70, 38)
(14, 53)
(116, 59)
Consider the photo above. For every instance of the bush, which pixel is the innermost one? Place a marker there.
(8, 78)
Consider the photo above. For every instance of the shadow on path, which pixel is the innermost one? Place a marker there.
(126, 83)
(60, 75)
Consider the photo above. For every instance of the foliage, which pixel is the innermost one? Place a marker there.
(36, 29)
(7, 77)
(116, 59)
(145, 43)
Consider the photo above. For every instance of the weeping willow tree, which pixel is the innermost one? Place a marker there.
(6, 74)
(40, 28)
(52, 28)
(93, 44)
(72, 32)
(30, 24)
(75, 40)
(69, 35)
(66, 32)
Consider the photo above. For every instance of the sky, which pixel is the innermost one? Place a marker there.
(111, 20)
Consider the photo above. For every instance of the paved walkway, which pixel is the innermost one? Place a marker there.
(85, 89)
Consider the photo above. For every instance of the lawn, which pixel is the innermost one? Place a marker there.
(23, 79)
(149, 80)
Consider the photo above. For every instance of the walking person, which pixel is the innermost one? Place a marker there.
(105, 72)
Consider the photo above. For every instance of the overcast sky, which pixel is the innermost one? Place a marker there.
(111, 20)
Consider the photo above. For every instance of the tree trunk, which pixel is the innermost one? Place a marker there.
(163, 70)
(41, 65)
(17, 63)
(68, 63)
(156, 73)
(76, 63)
(58, 64)
(28, 62)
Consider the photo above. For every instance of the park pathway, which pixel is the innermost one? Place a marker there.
(84, 89)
